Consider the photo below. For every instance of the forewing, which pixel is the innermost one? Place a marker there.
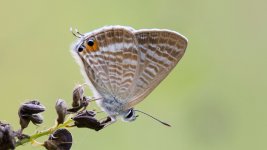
(159, 52)
(114, 65)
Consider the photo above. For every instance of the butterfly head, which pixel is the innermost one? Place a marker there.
(129, 115)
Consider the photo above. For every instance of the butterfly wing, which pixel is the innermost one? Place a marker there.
(112, 67)
(128, 64)
(159, 52)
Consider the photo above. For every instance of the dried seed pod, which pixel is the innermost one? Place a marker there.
(7, 137)
(24, 121)
(36, 119)
(83, 104)
(86, 120)
(61, 139)
(77, 95)
(61, 108)
(31, 107)
(86, 113)
(28, 112)
(85, 101)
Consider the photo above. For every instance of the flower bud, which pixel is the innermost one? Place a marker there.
(77, 95)
(28, 111)
(24, 121)
(61, 108)
(7, 137)
(36, 119)
(31, 107)
(82, 104)
(85, 101)
(61, 139)
(86, 120)
(86, 113)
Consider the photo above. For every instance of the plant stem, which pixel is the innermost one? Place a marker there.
(43, 133)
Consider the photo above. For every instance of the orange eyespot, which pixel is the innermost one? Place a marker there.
(91, 45)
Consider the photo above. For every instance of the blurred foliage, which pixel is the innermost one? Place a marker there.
(215, 99)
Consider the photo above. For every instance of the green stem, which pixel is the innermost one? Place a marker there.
(43, 133)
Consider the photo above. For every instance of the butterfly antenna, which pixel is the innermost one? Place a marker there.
(164, 123)
(76, 30)
(75, 34)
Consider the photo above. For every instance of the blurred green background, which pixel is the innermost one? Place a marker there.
(215, 99)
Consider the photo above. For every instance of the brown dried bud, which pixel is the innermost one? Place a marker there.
(7, 137)
(85, 101)
(24, 121)
(31, 107)
(86, 120)
(61, 108)
(36, 119)
(61, 139)
(86, 113)
(28, 112)
(77, 95)
(83, 104)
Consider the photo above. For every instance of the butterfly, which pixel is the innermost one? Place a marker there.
(123, 65)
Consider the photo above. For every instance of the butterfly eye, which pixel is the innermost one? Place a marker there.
(90, 42)
(130, 114)
(80, 49)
